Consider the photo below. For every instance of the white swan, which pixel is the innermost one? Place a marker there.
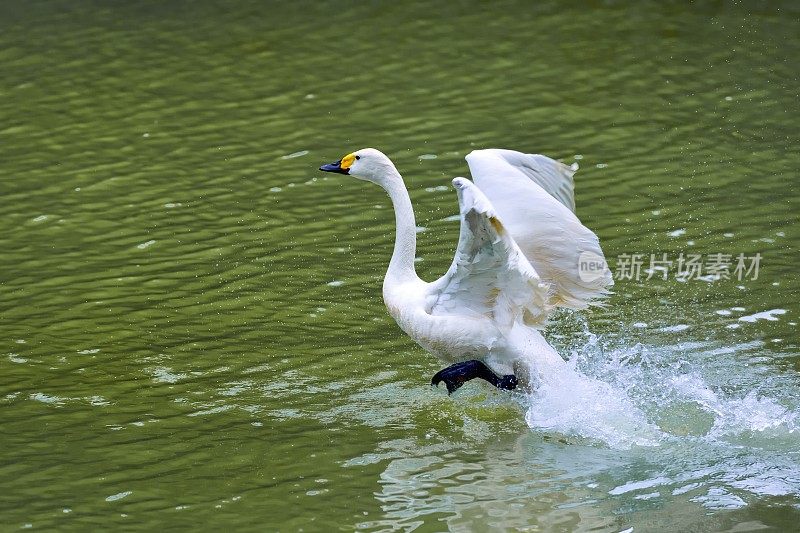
(517, 258)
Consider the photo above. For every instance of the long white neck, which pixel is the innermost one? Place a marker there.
(401, 267)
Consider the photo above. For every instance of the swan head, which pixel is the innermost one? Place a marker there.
(366, 164)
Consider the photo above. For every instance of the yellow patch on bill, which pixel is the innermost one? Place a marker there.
(347, 161)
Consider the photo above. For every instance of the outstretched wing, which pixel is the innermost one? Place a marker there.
(554, 177)
(490, 276)
(533, 196)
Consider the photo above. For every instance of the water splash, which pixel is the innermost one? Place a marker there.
(710, 420)
(628, 398)
(579, 405)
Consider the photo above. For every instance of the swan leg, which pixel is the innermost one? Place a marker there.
(459, 373)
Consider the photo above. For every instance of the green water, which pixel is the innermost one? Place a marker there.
(192, 334)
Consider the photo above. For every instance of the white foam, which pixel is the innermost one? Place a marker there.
(294, 155)
(638, 485)
(119, 496)
(719, 498)
(578, 405)
(674, 329)
(763, 315)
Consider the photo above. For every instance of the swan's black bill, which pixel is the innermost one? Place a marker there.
(335, 167)
(456, 375)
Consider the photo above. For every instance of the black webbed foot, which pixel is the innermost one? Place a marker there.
(459, 373)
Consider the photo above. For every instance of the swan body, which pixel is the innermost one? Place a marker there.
(517, 259)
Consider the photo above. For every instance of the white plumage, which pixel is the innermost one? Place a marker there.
(534, 198)
(517, 258)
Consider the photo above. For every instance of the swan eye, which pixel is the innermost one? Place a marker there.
(358, 157)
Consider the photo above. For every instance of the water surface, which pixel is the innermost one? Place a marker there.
(190, 314)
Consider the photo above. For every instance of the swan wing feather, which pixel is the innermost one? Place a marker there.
(554, 177)
(490, 275)
(533, 196)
